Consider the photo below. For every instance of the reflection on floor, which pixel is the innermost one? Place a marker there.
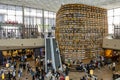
(104, 73)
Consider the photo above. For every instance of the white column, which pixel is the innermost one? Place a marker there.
(45, 57)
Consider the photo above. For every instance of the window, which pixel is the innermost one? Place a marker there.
(31, 20)
(19, 14)
(110, 20)
(117, 11)
(33, 12)
(39, 13)
(1, 18)
(46, 14)
(26, 11)
(19, 19)
(50, 21)
(54, 15)
(39, 20)
(46, 26)
(3, 9)
(113, 18)
(11, 10)
(116, 20)
(39, 23)
(110, 12)
(51, 14)
(27, 20)
(11, 18)
(18, 11)
(2, 6)
(110, 29)
(32, 16)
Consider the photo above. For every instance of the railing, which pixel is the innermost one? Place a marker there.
(20, 31)
(13, 35)
(18, 34)
(116, 31)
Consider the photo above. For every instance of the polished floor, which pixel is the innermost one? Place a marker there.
(104, 73)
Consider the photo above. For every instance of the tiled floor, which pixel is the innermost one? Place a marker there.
(105, 74)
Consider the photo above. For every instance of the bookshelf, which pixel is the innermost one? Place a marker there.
(80, 30)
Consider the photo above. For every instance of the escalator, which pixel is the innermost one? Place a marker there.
(52, 53)
(56, 55)
(47, 52)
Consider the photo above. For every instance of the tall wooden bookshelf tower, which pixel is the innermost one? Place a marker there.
(80, 30)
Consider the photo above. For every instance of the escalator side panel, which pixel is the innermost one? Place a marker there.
(48, 52)
(56, 54)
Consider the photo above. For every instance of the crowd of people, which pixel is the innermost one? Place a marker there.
(96, 63)
(17, 69)
(58, 74)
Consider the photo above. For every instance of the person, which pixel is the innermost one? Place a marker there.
(21, 70)
(28, 67)
(85, 70)
(49, 75)
(57, 74)
(19, 74)
(24, 66)
(15, 64)
(53, 77)
(3, 76)
(83, 78)
(113, 66)
(88, 69)
(99, 65)
(109, 65)
(64, 67)
(67, 78)
(49, 34)
(33, 74)
(57, 50)
(8, 33)
(25, 58)
(66, 71)
(4, 34)
(61, 77)
(9, 75)
(49, 63)
(14, 75)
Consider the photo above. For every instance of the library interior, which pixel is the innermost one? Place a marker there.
(59, 40)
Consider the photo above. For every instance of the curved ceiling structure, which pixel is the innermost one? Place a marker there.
(54, 5)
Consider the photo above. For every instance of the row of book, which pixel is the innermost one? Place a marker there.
(80, 30)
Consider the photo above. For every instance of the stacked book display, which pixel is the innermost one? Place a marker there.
(80, 30)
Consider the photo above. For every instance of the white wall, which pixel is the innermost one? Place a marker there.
(21, 43)
(111, 43)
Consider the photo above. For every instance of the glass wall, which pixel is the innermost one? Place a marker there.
(10, 14)
(110, 21)
(35, 17)
(113, 19)
(36, 20)
(49, 20)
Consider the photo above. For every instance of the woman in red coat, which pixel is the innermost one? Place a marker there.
(61, 77)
